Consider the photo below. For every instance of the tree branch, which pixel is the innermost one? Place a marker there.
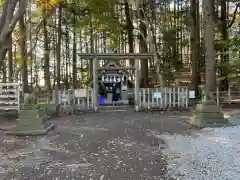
(21, 11)
(38, 28)
(234, 16)
(4, 14)
(8, 28)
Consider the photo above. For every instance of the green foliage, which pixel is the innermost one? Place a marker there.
(37, 14)
(98, 12)
(171, 53)
(98, 15)
(234, 69)
(234, 43)
(1, 2)
(233, 66)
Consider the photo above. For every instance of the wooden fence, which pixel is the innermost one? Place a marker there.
(164, 98)
(150, 98)
(232, 95)
(10, 96)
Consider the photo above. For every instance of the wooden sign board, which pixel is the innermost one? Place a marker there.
(80, 93)
(192, 95)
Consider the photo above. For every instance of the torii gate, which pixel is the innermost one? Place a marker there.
(115, 56)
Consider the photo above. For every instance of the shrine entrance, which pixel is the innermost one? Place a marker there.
(113, 77)
(113, 74)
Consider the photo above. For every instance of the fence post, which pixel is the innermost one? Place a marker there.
(182, 102)
(187, 96)
(218, 100)
(229, 95)
(165, 98)
(53, 96)
(59, 96)
(170, 97)
(19, 97)
(174, 97)
(69, 97)
(87, 98)
(64, 95)
(148, 98)
(142, 99)
(161, 100)
(179, 97)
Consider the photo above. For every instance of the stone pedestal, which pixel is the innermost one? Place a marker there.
(50, 109)
(32, 120)
(208, 114)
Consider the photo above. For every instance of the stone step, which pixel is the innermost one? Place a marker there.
(116, 108)
(31, 127)
(31, 114)
(33, 122)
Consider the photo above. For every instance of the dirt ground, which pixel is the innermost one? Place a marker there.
(93, 146)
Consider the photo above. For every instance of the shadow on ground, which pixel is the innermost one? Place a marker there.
(108, 145)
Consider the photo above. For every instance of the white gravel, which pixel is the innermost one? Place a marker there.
(212, 154)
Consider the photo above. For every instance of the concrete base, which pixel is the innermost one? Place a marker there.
(46, 128)
(31, 122)
(208, 115)
(50, 109)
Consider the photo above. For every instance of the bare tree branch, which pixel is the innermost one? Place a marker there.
(4, 13)
(234, 16)
(21, 11)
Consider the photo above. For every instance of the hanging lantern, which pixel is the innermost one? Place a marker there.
(103, 78)
(118, 79)
(110, 79)
(114, 79)
(106, 80)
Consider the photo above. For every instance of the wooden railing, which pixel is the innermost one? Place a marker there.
(232, 95)
(10, 94)
(150, 98)
(164, 98)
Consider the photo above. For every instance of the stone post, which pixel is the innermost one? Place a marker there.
(207, 113)
(136, 92)
(32, 119)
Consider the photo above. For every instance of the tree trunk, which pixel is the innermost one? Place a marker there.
(10, 61)
(67, 52)
(130, 28)
(91, 48)
(143, 46)
(46, 59)
(22, 45)
(224, 50)
(58, 58)
(4, 72)
(58, 48)
(8, 22)
(195, 44)
(209, 34)
(74, 60)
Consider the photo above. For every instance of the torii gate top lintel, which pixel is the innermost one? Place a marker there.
(116, 55)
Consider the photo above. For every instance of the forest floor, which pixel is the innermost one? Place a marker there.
(102, 146)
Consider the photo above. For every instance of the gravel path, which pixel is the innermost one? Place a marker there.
(209, 154)
(106, 145)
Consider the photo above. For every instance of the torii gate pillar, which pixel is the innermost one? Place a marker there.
(95, 85)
